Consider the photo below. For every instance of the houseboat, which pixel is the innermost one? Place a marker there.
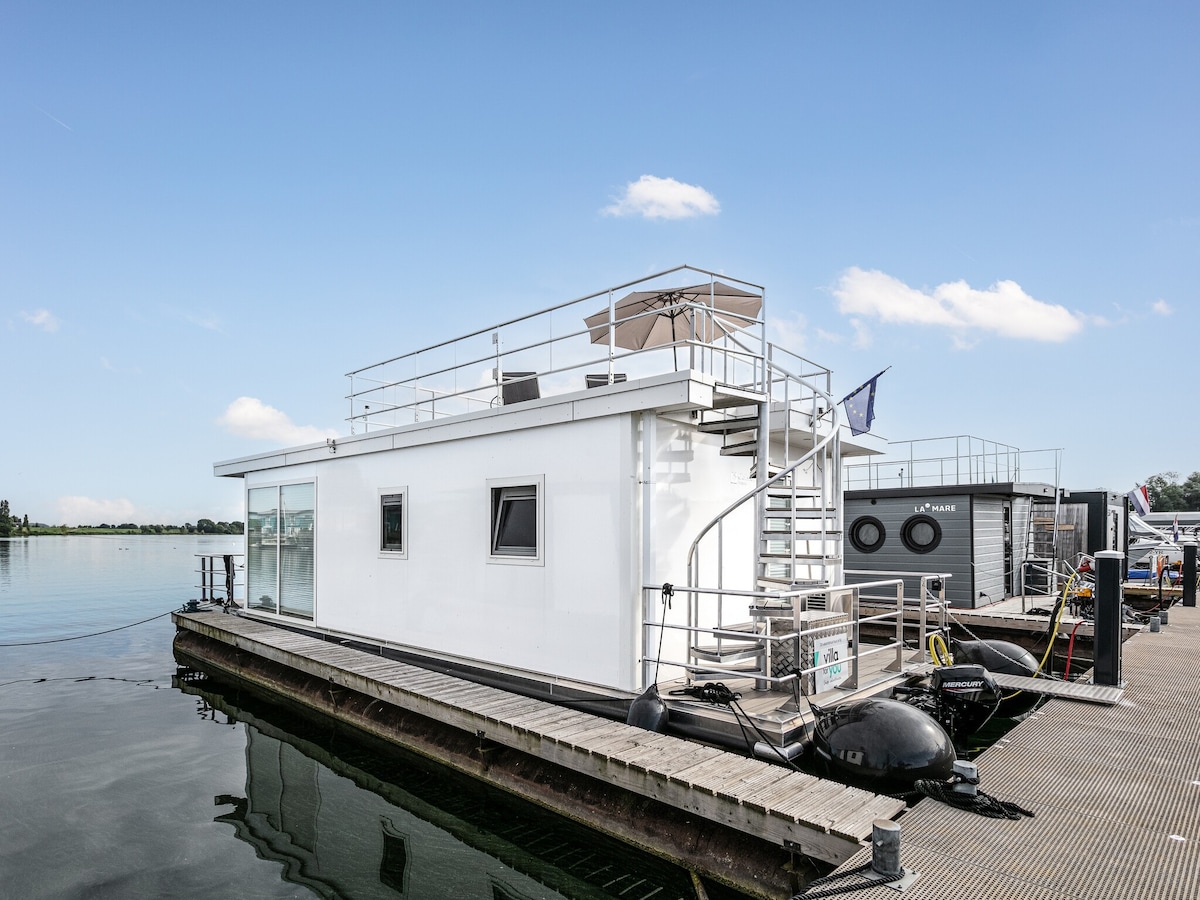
(991, 515)
(628, 489)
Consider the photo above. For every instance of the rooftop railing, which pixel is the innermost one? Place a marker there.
(586, 342)
(956, 460)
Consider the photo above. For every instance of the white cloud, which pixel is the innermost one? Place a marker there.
(1162, 307)
(42, 319)
(791, 332)
(248, 417)
(1004, 308)
(663, 198)
(863, 338)
(89, 511)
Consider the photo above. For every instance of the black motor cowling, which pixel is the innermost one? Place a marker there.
(966, 697)
(1006, 658)
(881, 745)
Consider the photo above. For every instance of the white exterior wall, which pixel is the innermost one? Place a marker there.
(575, 615)
(693, 482)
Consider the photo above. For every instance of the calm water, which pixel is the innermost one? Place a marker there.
(119, 779)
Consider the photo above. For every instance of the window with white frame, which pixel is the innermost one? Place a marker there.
(517, 520)
(393, 522)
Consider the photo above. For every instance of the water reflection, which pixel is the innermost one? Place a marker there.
(348, 820)
(6, 562)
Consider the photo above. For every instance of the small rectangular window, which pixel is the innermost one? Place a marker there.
(516, 520)
(393, 522)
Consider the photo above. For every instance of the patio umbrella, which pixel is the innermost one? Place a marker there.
(638, 325)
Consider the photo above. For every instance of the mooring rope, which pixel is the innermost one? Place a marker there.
(979, 802)
(80, 637)
(835, 888)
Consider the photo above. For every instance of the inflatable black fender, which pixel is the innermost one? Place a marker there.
(881, 745)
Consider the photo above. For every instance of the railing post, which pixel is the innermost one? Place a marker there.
(922, 626)
(1107, 638)
(1189, 574)
(854, 628)
(899, 664)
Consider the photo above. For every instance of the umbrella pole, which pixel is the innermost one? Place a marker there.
(674, 345)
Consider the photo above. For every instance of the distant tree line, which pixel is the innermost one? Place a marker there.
(1167, 494)
(14, 526)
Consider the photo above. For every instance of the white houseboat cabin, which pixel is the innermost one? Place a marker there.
(509, 504)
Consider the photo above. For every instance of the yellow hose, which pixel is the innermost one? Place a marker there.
(1062, 605)
(1053, 632)
(934, 641)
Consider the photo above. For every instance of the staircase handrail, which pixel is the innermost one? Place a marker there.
(772, 369)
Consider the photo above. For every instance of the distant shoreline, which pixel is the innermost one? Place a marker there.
(59, 531)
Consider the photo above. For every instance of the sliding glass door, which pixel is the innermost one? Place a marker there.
(280, 558)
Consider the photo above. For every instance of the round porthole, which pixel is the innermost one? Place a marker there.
(867, 534)
(921, 534)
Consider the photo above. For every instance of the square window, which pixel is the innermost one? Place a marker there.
(517, 520)
(514, 521)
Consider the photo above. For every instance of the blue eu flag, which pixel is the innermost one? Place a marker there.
(860, 407)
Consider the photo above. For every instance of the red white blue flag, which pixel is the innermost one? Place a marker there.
(1140, 498)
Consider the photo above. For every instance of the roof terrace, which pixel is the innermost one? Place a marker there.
(683, 318)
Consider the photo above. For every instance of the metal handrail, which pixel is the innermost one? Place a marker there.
(380, 379)
(221, 586)
(761, 674)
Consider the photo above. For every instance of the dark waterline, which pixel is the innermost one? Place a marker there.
(116, 781)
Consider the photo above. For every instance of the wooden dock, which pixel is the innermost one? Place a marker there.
(1115, 791)
(785, 808)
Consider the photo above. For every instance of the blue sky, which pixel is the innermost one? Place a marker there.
(207, 202)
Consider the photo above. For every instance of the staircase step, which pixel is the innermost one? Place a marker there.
(726, 654)
(732, 425)
(799, 557)
(801, 530)
(800, 490)
(804, 519)
(727, 395)
(742, 448)
(800, 538)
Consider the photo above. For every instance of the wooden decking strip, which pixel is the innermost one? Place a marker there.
(1115, 790)
(769, 801)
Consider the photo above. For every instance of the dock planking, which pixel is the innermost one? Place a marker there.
(749, 795)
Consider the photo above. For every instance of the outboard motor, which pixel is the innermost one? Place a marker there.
(881, 745)
(1006, 658)
(965, 698)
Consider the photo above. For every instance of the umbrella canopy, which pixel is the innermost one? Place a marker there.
(649, 318)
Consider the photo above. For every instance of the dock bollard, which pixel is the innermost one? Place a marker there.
(885, 849)
(1107, 640)
(1189, 574)
(1155, 624)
